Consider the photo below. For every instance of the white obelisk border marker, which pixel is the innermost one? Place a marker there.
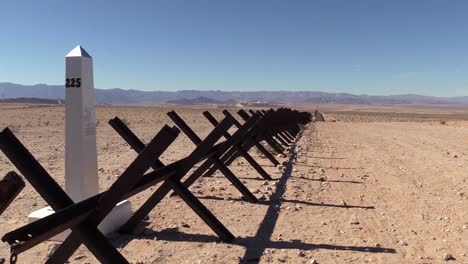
(81, 178)
(81, 166)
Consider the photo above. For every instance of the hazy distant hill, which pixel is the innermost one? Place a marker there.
(121, 96)
(199, 100)
(24, 100)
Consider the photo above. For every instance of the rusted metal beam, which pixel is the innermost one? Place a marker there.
(129, 178)
(215, 160)
(10, 186)
(240, 149)
(205, 149)
(174, 183)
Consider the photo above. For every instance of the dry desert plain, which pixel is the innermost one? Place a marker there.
(379, 185)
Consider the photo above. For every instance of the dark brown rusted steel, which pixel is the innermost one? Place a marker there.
(240, 149)
(202, 151)
(238, 137)
(129, 178)
(254, 141)
(174, 183)
(57, 198)
(266, 135)
(277, 130)
(262, 124)
(275, 133)
(51, 192)
(215, 160)
(10, 187)
(273, 126)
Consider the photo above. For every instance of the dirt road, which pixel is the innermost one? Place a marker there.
(413, 177)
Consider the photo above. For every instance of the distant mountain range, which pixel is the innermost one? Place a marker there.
(121, 96)
(199, 100)
(25, 100)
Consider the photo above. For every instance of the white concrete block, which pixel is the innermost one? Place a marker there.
(115, 219)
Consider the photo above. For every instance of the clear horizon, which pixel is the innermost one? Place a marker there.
(357, 47)
(332, 92)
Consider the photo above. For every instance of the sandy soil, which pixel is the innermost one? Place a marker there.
(368, 188)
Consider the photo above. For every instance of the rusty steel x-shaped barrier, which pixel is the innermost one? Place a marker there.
(277, 128)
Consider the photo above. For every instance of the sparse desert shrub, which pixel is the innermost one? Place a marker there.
(443, 122)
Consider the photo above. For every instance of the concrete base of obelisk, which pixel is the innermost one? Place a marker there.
(113, 221)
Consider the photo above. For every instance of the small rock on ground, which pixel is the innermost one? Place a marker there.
(447, 257)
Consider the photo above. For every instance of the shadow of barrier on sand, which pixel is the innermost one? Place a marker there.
(326, 180)
(281, 200)
(256, 245)
(328, 168)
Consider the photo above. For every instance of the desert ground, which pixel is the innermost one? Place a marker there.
(370, 185)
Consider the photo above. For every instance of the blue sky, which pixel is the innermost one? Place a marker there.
(354, 46)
